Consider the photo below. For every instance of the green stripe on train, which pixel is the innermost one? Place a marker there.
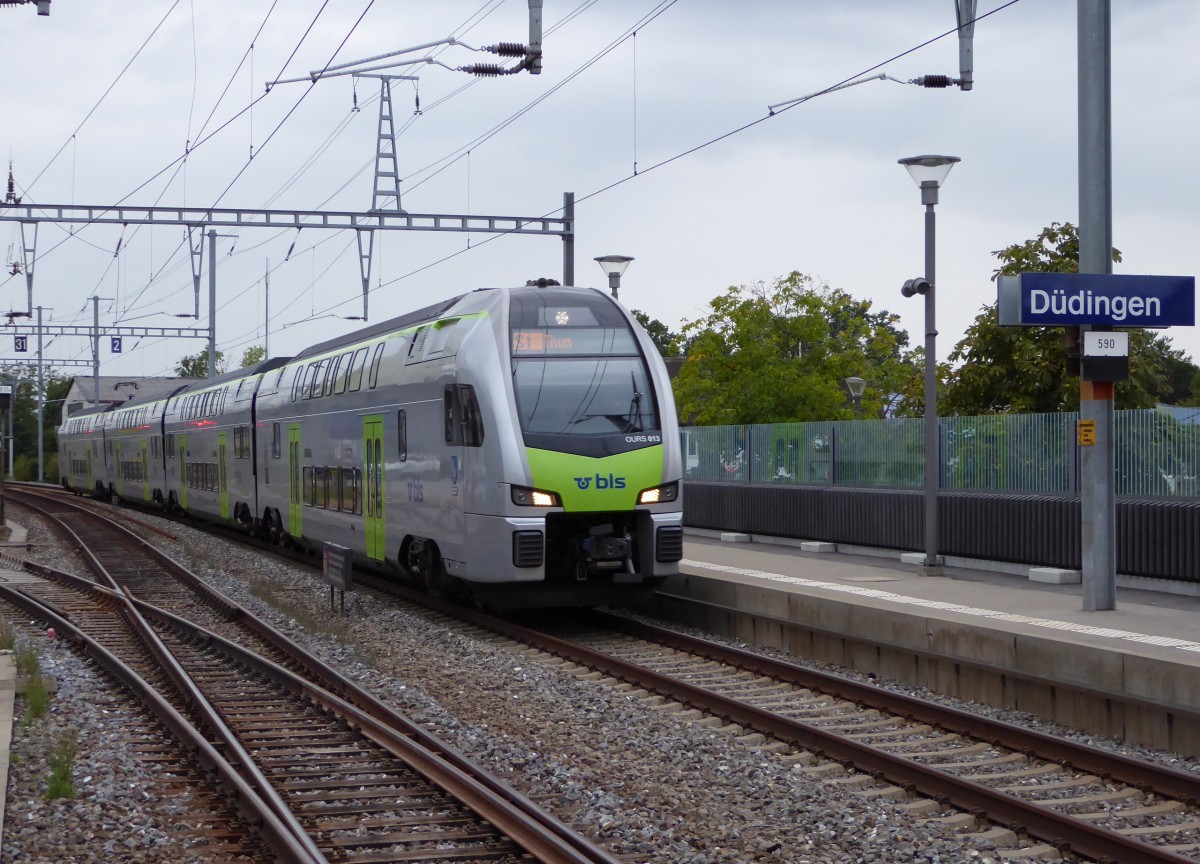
(586, 484)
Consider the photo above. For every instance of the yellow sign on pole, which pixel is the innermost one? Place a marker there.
(1087, 432)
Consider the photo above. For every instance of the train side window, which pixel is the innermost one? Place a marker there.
(472, 417)
(375, 361)
(350, 480)
(310, 372)
(308, 485)
(319, 489)
(276, 447)
(296, 382)
(326, 387)
(343, 373)
(335, 373)
(402, 434)
(356, 369)
(332, 488)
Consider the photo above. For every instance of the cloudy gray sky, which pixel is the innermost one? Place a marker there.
(99, 106)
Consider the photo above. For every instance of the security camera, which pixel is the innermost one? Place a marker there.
(919, 285)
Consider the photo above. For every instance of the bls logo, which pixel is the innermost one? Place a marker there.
(609, 482)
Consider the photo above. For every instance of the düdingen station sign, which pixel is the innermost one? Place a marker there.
(1096, 299)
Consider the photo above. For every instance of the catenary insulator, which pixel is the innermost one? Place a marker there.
(507, 49)
(935, 81)
(485, 70)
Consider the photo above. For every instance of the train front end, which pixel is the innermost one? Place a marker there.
(600, 511)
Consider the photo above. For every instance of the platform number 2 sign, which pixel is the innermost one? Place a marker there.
(116, 344)
(21, 344)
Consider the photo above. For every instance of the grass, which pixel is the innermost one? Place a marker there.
(29, 667)
(62, 759)
(37, 700)
(25, 658)
(273, 596)
(8, 636)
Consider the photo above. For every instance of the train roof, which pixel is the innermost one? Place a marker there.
(429, 313)
(236, 374)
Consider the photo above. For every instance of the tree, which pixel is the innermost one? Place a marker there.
(1023, 369)
(24, 408)
(253, 355)
(664, 340)
(196, 365)
(778, 353)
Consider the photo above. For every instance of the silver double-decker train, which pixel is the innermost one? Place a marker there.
(517, 445)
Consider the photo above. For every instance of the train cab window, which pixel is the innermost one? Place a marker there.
(402, 434)
(375, 361)
(464, 420)
(356, 369)
(342, 372)
(276, 444)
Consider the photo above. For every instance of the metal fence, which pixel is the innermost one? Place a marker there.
(1157, 453)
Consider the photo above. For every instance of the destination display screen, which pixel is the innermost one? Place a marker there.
(572, 341)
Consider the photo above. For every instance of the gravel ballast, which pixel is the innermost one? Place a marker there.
(647, 785)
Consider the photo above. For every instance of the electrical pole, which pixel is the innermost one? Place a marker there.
(267, 312)
(41, 399)
(95, 352)
(1098, 507)
(212, 302)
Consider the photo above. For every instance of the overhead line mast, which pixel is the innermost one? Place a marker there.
(385, 197)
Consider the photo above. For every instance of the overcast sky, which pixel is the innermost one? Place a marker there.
(99, 102)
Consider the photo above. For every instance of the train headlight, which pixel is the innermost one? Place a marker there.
(523, 496)
(659, 494)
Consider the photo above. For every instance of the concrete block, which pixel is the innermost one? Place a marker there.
(817, 546)
(917, 558)
(1055, 576)
(734, 537)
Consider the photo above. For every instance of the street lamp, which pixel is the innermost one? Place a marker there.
(613, 266)
(928, 172)
(856, 386)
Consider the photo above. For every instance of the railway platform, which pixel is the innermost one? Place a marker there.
(999, 638)
(8, 692)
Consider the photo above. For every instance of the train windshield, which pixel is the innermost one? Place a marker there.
(576, 367)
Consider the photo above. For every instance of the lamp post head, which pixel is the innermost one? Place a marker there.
(856, 386)
(613, 266)
(929, 169)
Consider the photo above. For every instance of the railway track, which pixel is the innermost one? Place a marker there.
(1072, 797)
(360, 784)
(927, 757)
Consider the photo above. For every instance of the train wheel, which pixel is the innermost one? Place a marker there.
(425, 564)
(270, 527)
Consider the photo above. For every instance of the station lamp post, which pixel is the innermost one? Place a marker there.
(929, 172)
(613, 266)
(856, 386)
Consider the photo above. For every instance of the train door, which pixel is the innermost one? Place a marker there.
(183, 472)
(145, 471)
(90, 470)
(223, 472)
(118, 468)
(295, 505)
(373, 459)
